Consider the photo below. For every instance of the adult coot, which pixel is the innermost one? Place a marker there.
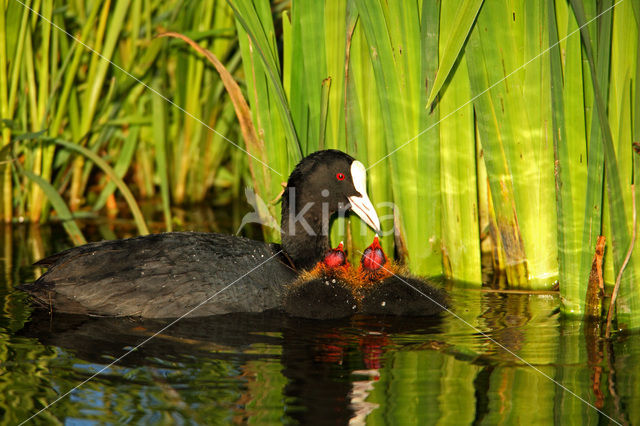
(324, 292)
(197, 274)
(384, 288)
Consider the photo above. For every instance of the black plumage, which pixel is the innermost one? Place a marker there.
(165, 275)
(168, 275)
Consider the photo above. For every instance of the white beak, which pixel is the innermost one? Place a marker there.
(360, 204)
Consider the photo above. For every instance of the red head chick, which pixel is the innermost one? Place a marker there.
(334, 264)
(336, 257)
(373, 265)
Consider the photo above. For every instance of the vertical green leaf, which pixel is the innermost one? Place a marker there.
(460, 235)
(257, 25)
(513, 113)
(461, 24)
(494, 136)
(570, 158)
(429, 179)
(618, 218)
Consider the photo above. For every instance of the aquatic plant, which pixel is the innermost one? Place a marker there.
(501, 129)
(487, 124)
(95, 75)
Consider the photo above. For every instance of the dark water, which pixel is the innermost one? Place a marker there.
(502, 359)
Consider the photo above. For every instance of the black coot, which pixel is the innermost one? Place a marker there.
(385, 289)
(169, 275)
(325, 292)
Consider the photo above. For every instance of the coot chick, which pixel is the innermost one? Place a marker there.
(325, 292)
(386, 289)
(173, 274)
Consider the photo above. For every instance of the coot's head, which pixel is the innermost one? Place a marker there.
(322, 184)
(332, 178)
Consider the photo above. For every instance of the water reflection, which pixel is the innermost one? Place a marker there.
(316, 367)
(269, 368)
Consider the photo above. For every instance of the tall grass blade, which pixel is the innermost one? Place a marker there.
(493, 139)
(64, 214)
(100, 65)
(514, 135)
(364, 131)
(41, 159)
(623, 49)
(462, 24)
(618, 217)
(309, 30)
(159, 118)
(126, 193)
(388, 32)
(6, 211)
(338, 25)
(248, 16)
(107, 35)
(243, 115)
(636, 138)
(56, 200)
(569, 186)
(324, 112)
(429, 144)
(240, 105)
(461, 234)
(121, 166)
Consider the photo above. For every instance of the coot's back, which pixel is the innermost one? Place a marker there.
(165, 276)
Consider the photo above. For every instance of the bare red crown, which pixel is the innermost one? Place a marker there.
(373, 257)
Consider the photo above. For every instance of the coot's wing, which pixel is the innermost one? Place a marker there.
(164, 276)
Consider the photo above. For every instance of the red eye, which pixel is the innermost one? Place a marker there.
(340, 176)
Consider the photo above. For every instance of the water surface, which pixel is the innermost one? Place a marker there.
(501, 359)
